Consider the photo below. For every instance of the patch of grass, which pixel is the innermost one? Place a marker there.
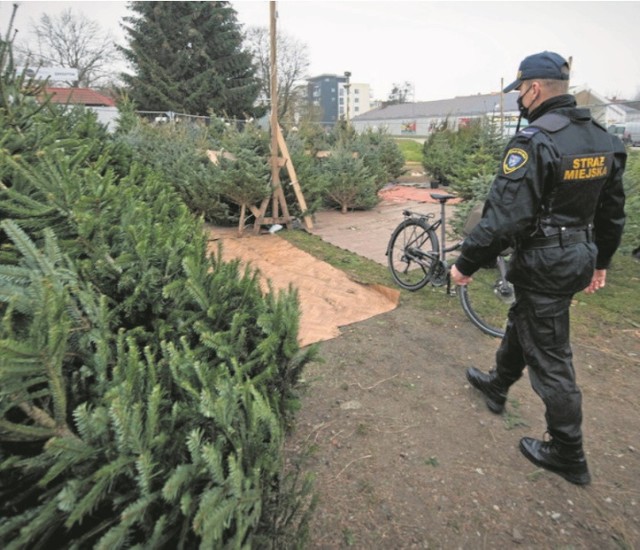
(349, 537)
(432, 461)
(358, 268)
(631, 235)
(363, 270)
(512, 416)
(312, 450)
(362, 429)
(616, 305)
(454, 525)
(612, 308)
(365, 486)
(535, 475)
(411, 150)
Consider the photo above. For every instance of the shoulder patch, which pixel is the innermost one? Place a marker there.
(514, 159)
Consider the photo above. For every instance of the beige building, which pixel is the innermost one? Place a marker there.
(359, 99)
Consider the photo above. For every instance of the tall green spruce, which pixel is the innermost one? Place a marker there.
(144, 385)
(187, 57)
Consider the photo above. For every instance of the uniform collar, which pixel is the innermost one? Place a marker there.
(551, 104)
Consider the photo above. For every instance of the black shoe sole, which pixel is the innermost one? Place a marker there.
(576, 479)
(492, 405)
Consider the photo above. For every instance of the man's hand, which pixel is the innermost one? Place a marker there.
(597, 281)
(458, 278)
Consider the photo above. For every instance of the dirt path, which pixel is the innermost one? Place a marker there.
(406, 454)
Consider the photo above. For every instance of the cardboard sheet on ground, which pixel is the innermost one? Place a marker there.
(329, 299)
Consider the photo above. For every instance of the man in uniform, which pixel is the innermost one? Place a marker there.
(558, 201)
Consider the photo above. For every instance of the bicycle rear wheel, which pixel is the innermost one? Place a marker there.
(413, 253)
(487, 299)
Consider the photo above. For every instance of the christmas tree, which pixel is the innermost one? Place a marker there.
(144, 386)
(188, 58)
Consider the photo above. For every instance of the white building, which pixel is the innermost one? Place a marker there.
(421, 118)
(359, 99)
(603, 110)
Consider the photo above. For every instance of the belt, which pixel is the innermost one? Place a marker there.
(557, 240)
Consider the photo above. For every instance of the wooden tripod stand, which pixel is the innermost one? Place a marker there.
(277, 199)
(279, 158)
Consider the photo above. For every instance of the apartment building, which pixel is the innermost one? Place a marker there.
(338, 98)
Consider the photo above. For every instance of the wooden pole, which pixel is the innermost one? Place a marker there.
(278, 193)
(273, 73)
(294, 179)
(278, 200)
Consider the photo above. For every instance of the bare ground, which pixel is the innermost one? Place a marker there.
(406, 454)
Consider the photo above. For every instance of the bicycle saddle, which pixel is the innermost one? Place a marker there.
(442, 197)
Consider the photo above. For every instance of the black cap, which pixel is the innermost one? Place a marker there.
(545, 65)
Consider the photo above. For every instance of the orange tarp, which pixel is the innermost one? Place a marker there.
(328, 298)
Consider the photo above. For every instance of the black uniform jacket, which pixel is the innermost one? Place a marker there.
(563, 175)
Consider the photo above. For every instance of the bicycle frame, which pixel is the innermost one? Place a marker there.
(444, 250)
(486, 304)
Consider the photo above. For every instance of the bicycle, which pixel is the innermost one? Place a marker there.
(416, 258)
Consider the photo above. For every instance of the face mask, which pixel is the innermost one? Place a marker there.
(524, 111)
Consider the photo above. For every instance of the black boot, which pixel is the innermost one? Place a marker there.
(493, 389)
(567, 461)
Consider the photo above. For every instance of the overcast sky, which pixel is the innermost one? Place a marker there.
(444, 49)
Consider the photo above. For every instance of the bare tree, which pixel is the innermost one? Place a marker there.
(400, 93)
(72, 41)
(292, 62)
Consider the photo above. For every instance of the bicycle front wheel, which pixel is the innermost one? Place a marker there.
(412, 254)
(486, 301)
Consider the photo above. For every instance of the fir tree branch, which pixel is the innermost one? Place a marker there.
(11, 431)
(40, 417)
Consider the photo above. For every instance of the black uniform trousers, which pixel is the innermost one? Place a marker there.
(537, 336)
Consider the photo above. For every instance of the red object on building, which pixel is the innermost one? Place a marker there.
(409, 127)
(79, 96)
